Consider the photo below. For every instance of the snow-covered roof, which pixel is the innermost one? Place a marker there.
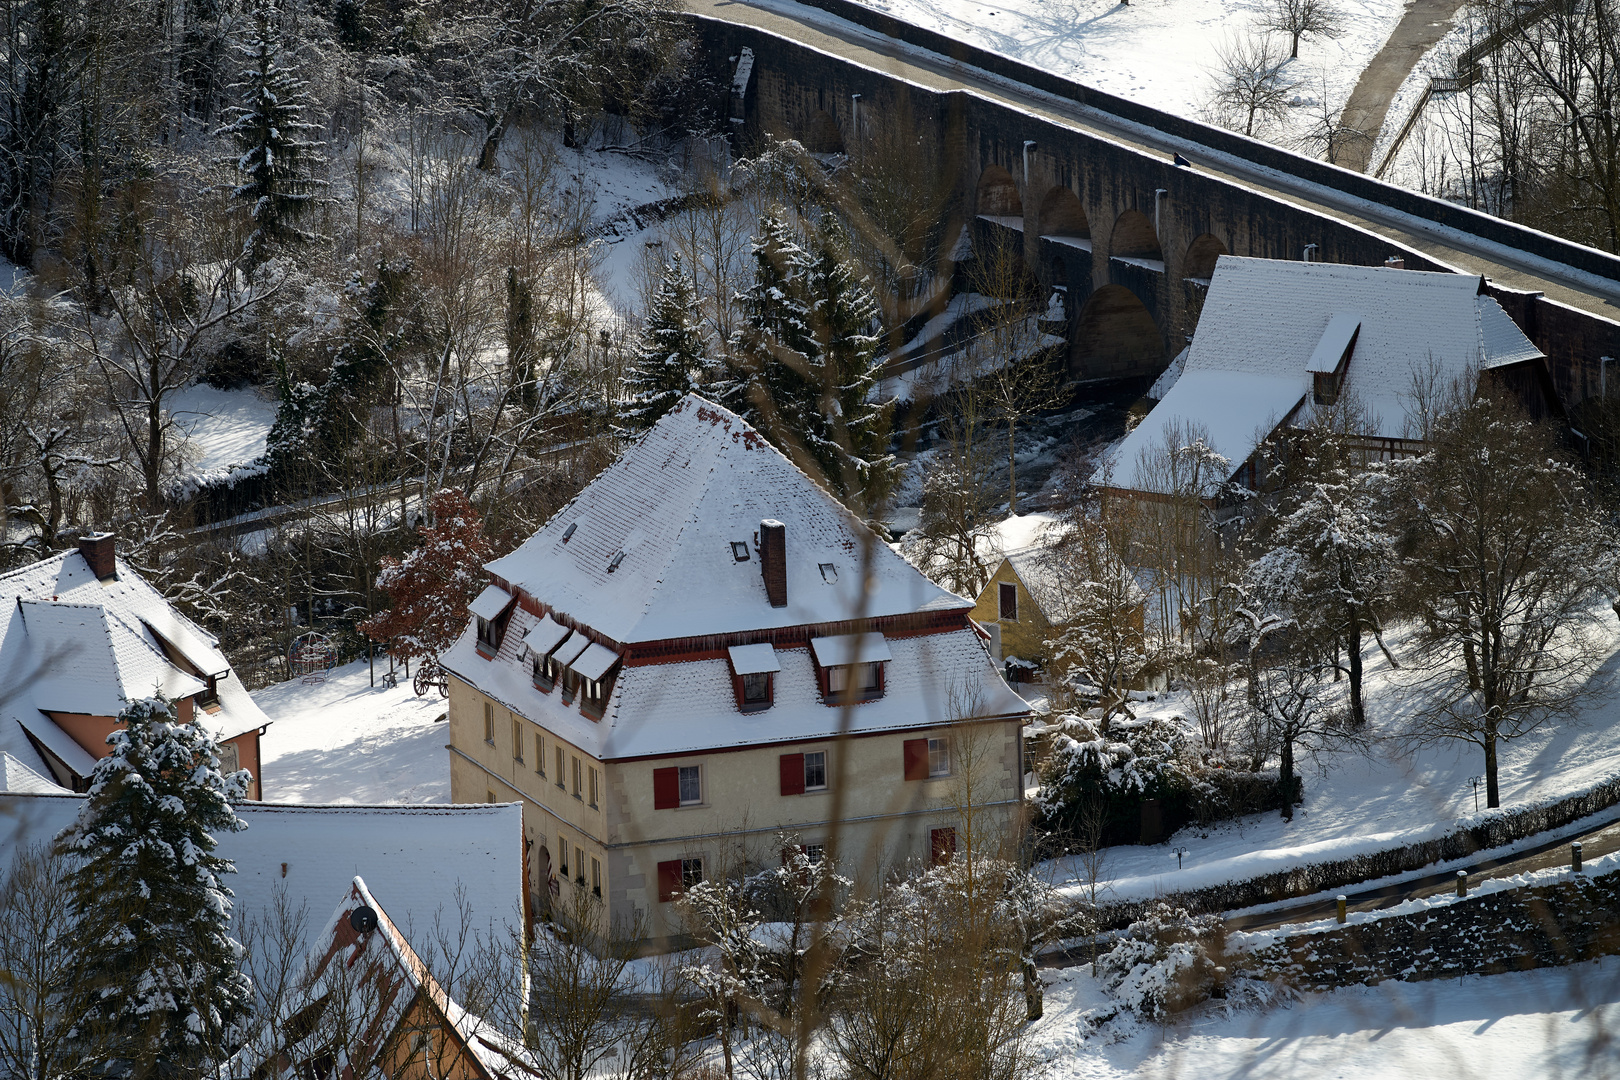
(697, 482)
(754, 659)
(17, 777)
(658, 709)
(850, 649)
(490, 603)
(422, 855)
(70, 643)
(1267, 324)
(362, 968)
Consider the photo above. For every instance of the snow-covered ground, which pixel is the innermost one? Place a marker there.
(222, 427)
(343, 741)
(1379, 800)
(1551, 1023)
(1158, 52)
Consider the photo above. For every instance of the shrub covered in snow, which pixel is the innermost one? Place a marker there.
(1167, 961)
(1121, 761)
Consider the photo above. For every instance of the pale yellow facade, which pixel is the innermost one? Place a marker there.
(888, 821)
(1025, 636)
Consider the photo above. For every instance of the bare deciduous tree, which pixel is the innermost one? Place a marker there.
(1251, 89)
(1297, 18)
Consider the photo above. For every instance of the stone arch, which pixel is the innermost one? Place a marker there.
(1116, 337)
(998, 194)
(822, 136)
(1063, 215)
(1201, 256)
(1133, 237)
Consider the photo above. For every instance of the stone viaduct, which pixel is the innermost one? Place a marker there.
(1092, 191)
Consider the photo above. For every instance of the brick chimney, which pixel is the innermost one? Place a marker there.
(98, 550)
(773, 560)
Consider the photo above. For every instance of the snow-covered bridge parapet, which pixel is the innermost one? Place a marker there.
(1088, 188)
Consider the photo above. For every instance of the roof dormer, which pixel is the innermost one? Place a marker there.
(1331, 357)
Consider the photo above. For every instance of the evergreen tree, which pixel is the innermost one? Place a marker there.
(806, 361)
(269, 130)
(671, 352)
(147, 894)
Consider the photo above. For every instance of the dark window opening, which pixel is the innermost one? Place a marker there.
(942, 846)
(489, 636)
(756, 690)
(860, 681)
(691, 873)
(1327, 388)
(1009, 601)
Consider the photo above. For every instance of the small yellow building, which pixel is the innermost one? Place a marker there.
(1019, 600)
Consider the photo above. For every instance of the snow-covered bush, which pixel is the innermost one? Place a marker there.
(1167, 961)
(1120, 761)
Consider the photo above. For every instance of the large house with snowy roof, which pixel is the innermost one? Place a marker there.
(704, 648)
(1277, 340)
(81, 635)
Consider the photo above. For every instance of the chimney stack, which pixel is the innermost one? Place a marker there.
(1395, 262)
(773, 560)
(99, 552)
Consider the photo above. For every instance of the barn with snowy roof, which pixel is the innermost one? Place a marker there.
(81, 635)
(705, 648)
(1278, 340)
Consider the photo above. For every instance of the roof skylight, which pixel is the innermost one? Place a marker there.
(568, 532)
(739, 550)
(617, 559)
(829, 573)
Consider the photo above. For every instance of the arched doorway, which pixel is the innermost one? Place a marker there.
(1201, 255)
(1133, 237)
(1116, 337)
(998, 197)
(1063, 216)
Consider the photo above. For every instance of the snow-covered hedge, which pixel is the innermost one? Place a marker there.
(1496, 828)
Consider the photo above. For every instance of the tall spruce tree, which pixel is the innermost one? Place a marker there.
(152, 911)
(276, 153)
(804, 365)
(671, 353)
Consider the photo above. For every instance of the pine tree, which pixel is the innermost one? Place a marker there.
(152, 910)
(269, 130)
(806, 362)
(432, 586)
(672, 351)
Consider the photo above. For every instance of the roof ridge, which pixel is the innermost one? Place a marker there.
(20, 570)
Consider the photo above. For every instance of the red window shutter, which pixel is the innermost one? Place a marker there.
(667, 786)
(791, 767)
(669, 880)
(942, 844)
(916, 759)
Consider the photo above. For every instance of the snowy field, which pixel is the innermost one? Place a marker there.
(222, 427)
(345, 742)
(1382, 799)
(1157, 52)
(1557, 1023)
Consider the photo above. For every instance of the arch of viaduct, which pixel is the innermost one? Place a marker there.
(1129, 236)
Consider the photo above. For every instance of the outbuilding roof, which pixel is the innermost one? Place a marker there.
(72, 643)
(1267, 325)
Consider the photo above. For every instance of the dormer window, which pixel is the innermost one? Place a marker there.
(541, 642)
(592, 669)
(493, 610)
(1331, 358)
(753, 676)
(851, 667)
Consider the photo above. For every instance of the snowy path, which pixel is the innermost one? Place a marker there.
(343, 741)
(1557, 1022)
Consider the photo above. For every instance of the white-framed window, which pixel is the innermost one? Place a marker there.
(939, 757)
(578, 788)
(596, 877)
(517, 740)
(815, 770)
(691, 785)
(863, 678)
(691, 873)
(540, 755)
(814, 853)
(489, 722)
(595, 785)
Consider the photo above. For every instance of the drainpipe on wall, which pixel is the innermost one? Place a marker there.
(1158, 193)
(855, 118)
(1310, 253)
(1029, 144)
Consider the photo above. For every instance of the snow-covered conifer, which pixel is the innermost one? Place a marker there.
(806, 360)
(147, 892)
(432, 586)
(671, 353)
(275, 150)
